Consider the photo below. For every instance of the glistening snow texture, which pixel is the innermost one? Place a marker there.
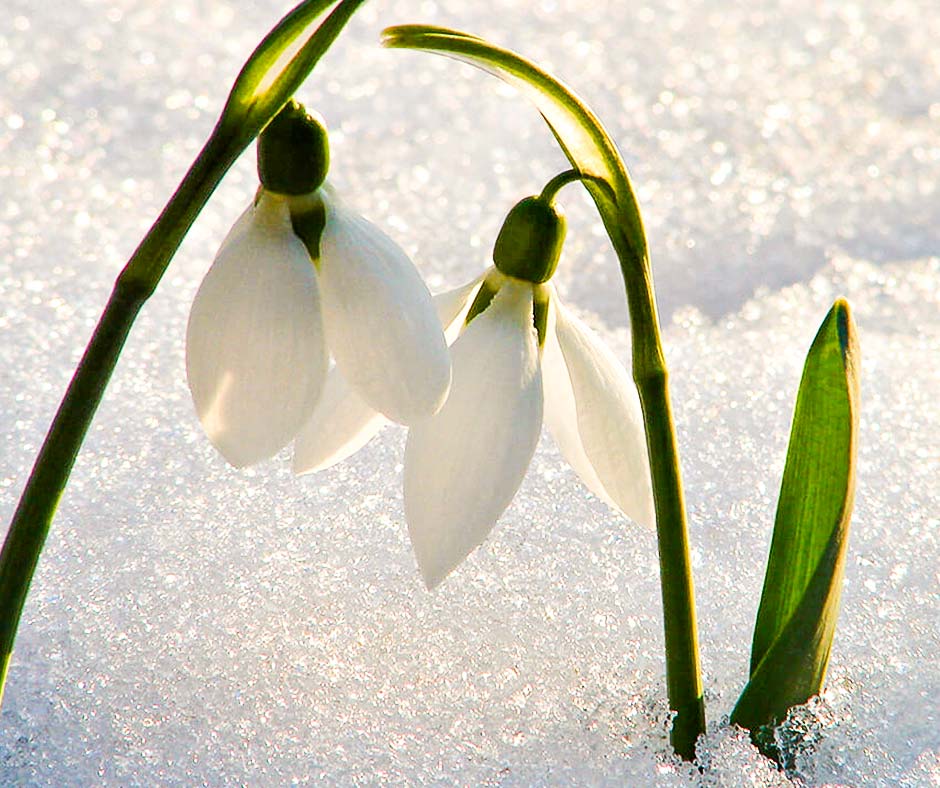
(189, 623)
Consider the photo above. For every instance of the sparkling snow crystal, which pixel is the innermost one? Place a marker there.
(191, 624)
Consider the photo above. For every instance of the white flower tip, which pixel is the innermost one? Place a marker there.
(299, 467)
(236, 454)
(432, 579)
(644, 512)
(239, 461)
(341, 424)
(436, 555)
(334, 443)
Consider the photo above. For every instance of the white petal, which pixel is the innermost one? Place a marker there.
(380, 323)
(561, 414)
(242, 223)
(596, 419)
(464, 465)
(341, 424)
(255, 351)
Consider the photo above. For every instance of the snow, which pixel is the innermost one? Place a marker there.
(192, 624)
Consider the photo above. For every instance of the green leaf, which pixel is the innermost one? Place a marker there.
(800, 602)
(595, 158)
(281, 62)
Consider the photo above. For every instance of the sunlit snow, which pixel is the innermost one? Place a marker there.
(192, 624)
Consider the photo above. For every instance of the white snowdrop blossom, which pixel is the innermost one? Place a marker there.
(269, 313)
(464, 464)
(519, 358)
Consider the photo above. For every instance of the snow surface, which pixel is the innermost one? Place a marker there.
(190, 624)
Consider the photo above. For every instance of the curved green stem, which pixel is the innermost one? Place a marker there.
(266, 82)
(556, 184)
(598, 164)
(593, 154)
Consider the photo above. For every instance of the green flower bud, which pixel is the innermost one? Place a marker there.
(293, 152)
(529, 244)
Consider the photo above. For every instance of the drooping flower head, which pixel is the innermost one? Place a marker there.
(522, 357)
(519, 358)
(301, 276)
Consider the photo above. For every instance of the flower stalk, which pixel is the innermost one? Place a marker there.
(271, 75)
(683, 675)
(683, 672)
(595, 158)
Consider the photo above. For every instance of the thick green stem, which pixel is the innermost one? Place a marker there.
(683, 675)
(27, 533)
(594, 156)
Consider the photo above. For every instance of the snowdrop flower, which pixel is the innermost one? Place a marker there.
(519, 357)
(298, 277)
(523, 357)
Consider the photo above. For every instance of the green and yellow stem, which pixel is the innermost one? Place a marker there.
(598, 165)
(683, 670)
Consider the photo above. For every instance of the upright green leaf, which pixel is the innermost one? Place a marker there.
(595, 158)
(800, 601)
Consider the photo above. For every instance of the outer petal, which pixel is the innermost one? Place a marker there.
(464, 465)
(342, 422)
(380, 322)
(242, 223)
(561, 412)
(596, 418)
(255, 351)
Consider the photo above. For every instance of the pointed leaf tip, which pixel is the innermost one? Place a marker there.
(848, 338)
